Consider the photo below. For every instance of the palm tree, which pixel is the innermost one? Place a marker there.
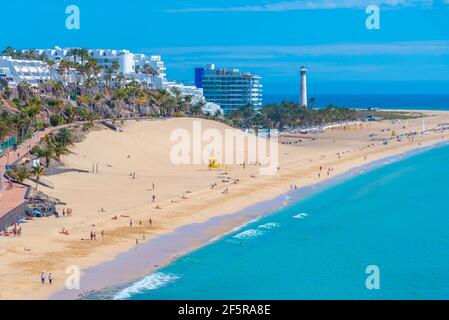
(64, 137)
(6, 125)
(149, 70)
(91, 83)
(60, 150)
(24, 91)
(119, 80)
(312, 102)
(38, 172)
(70, 113)
(46, 151)
(197, 108)
(120, 95)
(28, 114)
(51, 63)
(63, 67)
(83, 54)
(115, 66)
(217, 115)
(19, 173)
(9, 51)
(108, 77)
(74, 53)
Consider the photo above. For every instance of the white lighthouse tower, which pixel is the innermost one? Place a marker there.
(303, 86)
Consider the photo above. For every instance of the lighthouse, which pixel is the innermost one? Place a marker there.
(303, 86)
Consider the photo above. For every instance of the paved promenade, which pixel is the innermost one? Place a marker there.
(13, 195)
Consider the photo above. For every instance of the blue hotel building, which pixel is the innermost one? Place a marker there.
(230, 89)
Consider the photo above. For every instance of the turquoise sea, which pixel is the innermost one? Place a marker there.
(395, 217)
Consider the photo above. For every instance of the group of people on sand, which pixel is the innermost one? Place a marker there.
(93, 235)
(329, 170)
(44, 277)
(16, 231)
(293, 187)
(66, 212)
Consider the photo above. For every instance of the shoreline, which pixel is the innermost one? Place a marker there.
(106, 279)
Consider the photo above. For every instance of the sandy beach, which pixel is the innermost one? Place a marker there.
(106, 201)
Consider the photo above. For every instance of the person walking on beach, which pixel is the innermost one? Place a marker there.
(154, 198)
(50, 278)
(131, 222)
(43, 278)
(151, 222)
(153, 186)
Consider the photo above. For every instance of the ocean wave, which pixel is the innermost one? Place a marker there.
(244, 225)
(151, 282)
(269, 225)
(251, 233)
(300, 216)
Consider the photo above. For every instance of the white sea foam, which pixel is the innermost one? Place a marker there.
(269, 225)
(250, 233)
(151, 282)
(300, 216)
(244, 225)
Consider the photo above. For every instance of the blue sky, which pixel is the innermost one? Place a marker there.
(273, 38)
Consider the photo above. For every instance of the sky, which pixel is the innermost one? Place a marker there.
(271, 38)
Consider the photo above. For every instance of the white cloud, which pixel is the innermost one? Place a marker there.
(280, 6)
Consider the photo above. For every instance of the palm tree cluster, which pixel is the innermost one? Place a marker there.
(21, 172)
(30, 54)
(87, 70)
(289, 115)
(54, 146)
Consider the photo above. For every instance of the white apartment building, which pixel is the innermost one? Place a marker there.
(185, 90)
(16, 71)
(130, 64)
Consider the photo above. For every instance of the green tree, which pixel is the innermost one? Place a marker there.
(38, 172)
(19, 173)
(6, 125)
